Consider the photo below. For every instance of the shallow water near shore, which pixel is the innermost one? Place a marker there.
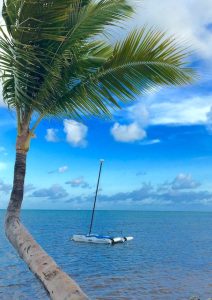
(170, 257)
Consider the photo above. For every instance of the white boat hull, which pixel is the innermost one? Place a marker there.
(96, 239)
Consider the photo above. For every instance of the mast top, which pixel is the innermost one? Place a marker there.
(102, 160)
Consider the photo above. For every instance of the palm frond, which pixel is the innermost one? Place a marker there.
(53, 61)
(143, 61)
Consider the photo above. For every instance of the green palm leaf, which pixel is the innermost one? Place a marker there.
(143, 61)
(54, 62)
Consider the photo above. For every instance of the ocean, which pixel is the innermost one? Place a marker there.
(170, 257)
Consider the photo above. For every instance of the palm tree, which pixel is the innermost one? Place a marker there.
(56, 60)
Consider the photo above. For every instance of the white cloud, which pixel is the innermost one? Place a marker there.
(51, 135)
(166, 108)
(63, 169)
(184, 181)
(151, 142)
(128, 133)
(75, 133)
(190, 21)
(60, 170)
(78, 182)
(184, 18)
(188, 111)
(55, 192)
(3, 166)
(138, 112)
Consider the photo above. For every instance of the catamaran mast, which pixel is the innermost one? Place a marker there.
(97, 189)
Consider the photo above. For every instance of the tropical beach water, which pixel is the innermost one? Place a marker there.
(170, 257)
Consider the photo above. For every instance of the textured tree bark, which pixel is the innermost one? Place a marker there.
(58, 284)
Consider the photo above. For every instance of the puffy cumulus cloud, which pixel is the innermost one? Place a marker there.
(128, 133)
(189, 199)
(138, 113)
(189, 20)
(4, 187)
(75, 133)
(144, 192)
(178, 111)
(55, 192)
(167, 108)
(51, 135)
(138, 118)
(149, 196)
(179, 193)
(78, 182)
(184, 181)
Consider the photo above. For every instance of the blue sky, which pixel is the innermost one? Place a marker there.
(158, 151)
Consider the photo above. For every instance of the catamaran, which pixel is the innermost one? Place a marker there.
(96, 238)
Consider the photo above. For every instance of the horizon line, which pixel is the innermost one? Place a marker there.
(131, 210)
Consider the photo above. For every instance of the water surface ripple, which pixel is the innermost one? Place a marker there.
(169, 259)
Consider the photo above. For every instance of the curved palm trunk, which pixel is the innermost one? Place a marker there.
(59, 285)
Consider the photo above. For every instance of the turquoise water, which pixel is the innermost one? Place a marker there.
(170, 257)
